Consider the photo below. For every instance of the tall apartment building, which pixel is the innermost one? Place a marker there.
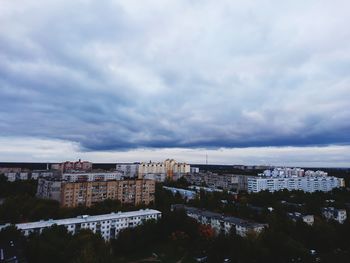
(303, 183)
(107, 225)
(170, 168)
(72, 166)
(72, 194)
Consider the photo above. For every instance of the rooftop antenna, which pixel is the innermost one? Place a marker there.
(206, 159)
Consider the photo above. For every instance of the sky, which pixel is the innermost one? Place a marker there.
(246, 82)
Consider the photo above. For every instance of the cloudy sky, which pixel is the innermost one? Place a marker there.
(253, 82)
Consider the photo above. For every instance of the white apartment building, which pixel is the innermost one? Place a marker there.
(15, 176)
(305, 183)
(92, 176)
(108, 225)
(331, 213)
(291, 172)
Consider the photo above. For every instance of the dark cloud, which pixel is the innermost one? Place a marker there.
(118, 75)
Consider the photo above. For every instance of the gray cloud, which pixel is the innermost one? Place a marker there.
(112, 75)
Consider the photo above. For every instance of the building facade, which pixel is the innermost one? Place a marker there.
(304, 183)
(170, 168)
(92, 176)
(87, 193)
(107, 225)
(130, 170)
(29, 175)
(72, 166)
(232, 182)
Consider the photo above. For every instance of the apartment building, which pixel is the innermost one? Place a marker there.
(170, 168)
(87, 193)
(72, 166)
(49, 189)
(107, 225)
(220, 223)
(304, 183)
(28, 175)
(130, 170)
(92, 176)
(331, 213)
(233, 182)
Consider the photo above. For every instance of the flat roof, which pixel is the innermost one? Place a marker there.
(85, 219)
(209, 214)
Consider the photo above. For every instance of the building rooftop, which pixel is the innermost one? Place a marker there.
(84, 219)
(213, 215)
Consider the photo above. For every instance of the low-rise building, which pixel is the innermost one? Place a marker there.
(331, 213)
(221, 223)
(308, 219)
(108, 225)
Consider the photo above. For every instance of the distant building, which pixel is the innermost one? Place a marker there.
(170, 168)
(92, 176)
(308, 219)
(72, 166)
(186, 194)
(303, 183)
(128, 169)
(4, 170)
(49, 189)
(331, 213)
(233, 182)
(87, 193)
(16, 176)
(194, 170)
(107, 225)
(220, 223)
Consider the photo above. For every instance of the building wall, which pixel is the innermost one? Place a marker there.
(89, 177)
(128, 169)
(49, 189)
(169, 167)
(126, 191)
(108, 225)
(234, 182)
(72, 166)
(306, 184)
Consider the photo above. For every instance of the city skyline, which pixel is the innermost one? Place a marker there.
(245, 82)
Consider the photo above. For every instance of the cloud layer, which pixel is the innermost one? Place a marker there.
(116, 75)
